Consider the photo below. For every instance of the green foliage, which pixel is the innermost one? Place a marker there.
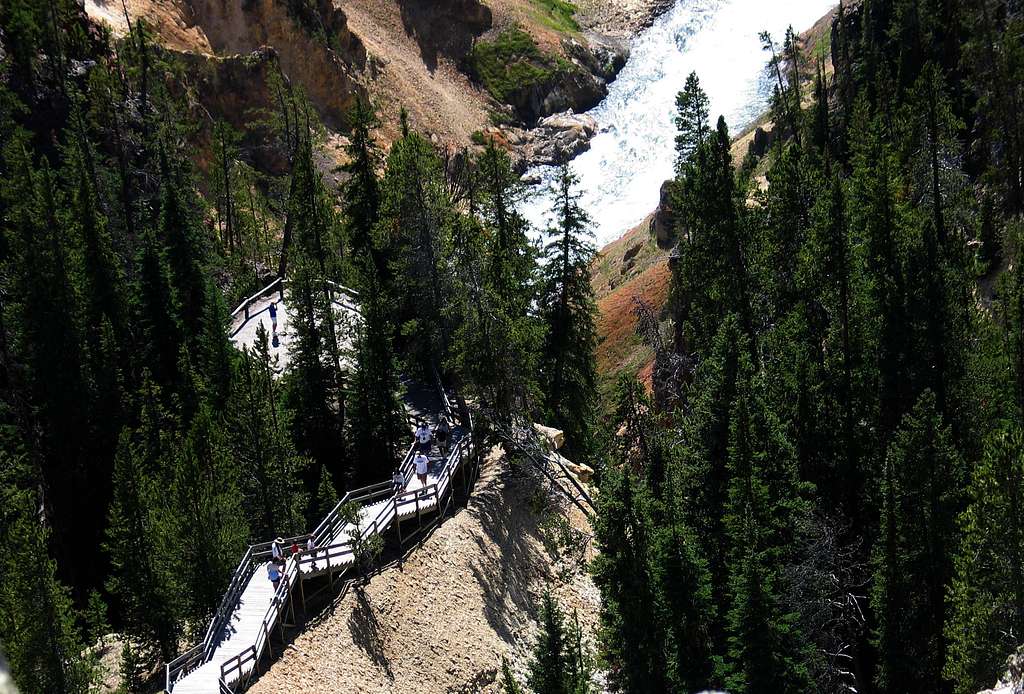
(508, 680)
(40, 634)
(986, 595)
(921, 492)
(692, 119)
(511, 64)
(560, 663)
(568, 371)
(557, 14)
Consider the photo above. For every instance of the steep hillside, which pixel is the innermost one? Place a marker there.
(414, 54)
(441, 619)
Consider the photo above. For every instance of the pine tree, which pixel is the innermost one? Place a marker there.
(361, 193)
(765, 516)
(986, 595)
(568, 371)
(630, 637)
(376, 417)
(138, 535)
(495, 346)
(260, 431)
(39, 633)
(560, 664)
(921, 492)
(204, 508)
(692, 120)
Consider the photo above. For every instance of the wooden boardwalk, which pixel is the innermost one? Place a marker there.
(254, 312)
(251, 611)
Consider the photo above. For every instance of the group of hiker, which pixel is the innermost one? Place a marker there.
(424, 443)
(275, 568)
(425, 439)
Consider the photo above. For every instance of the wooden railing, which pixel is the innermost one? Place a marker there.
(341, 553)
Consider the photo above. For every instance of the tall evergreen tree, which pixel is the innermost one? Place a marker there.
(568, 371)
(986, 595)
(921, 492)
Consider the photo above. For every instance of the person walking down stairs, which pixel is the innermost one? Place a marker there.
(422, 463)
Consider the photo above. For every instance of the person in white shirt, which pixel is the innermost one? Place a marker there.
(277, 551)
(310, 546)
(423, 437)
(422, 464)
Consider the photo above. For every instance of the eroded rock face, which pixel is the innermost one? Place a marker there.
(663, 222)
(603, 56)
(312, 43)
(445, 27)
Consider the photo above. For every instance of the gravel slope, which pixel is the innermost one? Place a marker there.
(441, 621)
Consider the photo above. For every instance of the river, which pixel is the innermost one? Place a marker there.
(634, 150)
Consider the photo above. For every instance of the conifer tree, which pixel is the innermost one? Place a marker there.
(497, 341)
(630, 635)
(39, 629)
(204, 506)
(921, 492)
(766, 515)
(568, 371)
(692, 120)
(986, 595)
(138, 534)
(361, 193)
(260, 431)
(376, 417)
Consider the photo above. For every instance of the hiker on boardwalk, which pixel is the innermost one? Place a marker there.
(311, 548)
(422, 463)
(441, 433)
(273, 317)
(277, 551)
(398, 480)
(295, 547)
(274, 574)
(423, 437)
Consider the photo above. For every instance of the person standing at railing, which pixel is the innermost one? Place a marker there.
(273, 317)
(441, 433)
(295, 548)
(277, 551)
(423, 437)
(398, 480)
(422, 463)
(274, 574)
(311, 548)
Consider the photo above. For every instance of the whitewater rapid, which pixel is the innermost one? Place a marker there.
(633, 153)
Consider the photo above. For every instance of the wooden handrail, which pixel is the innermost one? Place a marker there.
(388, 513)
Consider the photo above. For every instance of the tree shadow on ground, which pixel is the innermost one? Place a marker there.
(365, 630)
(506, 569)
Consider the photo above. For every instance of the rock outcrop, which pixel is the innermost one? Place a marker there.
(556, 139)
(663, 221)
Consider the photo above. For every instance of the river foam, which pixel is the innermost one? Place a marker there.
(634, 150)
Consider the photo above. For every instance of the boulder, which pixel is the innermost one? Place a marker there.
(555, 437)
(556, 138)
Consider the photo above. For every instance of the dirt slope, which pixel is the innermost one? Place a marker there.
(442, 620)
